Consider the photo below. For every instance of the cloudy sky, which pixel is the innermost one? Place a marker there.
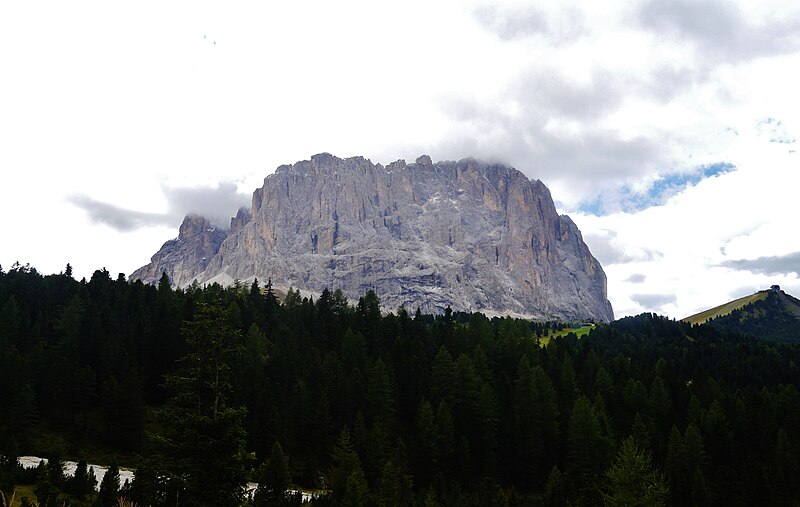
(666, 129)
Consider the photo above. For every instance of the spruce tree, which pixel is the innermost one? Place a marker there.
(201, 453)
(109, 487)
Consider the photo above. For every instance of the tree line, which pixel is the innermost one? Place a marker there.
(206, 388)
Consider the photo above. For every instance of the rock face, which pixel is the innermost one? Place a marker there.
(475, 236)
(185, 258)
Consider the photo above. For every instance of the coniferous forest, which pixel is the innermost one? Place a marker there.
(204, 389)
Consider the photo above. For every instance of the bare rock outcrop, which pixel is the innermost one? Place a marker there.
(471, 235)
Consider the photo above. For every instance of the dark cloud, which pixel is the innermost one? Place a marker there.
(516, 22)
(653, 302)
(118, 218)
(636, 278)
(771, 266)
(546, 91)
(720, 30)
(217, 204)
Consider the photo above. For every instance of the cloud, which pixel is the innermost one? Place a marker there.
(553, 127)
(608, 101)
(771, 266)
(720, 30)
(636, 278)
(656, 193)
(218, 204)
(521, 21)
(121, 219)
(776, 131)
(653, 302)
(607, 248)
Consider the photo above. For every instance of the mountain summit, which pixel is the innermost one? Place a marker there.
(471, 235)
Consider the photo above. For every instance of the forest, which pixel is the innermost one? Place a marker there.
(205, 389)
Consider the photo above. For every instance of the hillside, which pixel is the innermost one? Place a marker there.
(725, 309)
(770, 315)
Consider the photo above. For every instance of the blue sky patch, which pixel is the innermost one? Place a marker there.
(625, 199)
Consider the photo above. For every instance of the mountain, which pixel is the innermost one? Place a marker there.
(468, 234)
(770, 315)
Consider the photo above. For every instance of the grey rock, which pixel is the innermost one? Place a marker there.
(471, 235)
(183, 259)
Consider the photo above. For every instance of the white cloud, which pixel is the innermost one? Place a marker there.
(728, 234)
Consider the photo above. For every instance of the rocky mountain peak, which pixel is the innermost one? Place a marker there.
(470, 235)
(193, 225)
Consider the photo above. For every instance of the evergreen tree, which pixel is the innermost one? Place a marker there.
(274, 479)
(426, 453)
(677, 469)
(49, 480)
(82, 482)
(639, 433)
(395, 486)
(8, 467)
(201, 452)
(357, 491)
(633, 480)
(585, 447)
(347, 480)
(555, 491)
(785, 471)
(109, 487)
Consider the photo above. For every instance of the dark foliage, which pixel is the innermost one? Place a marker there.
(775, 318)
(390, 408)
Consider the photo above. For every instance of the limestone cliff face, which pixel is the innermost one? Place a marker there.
(471, 235)
(185, 258)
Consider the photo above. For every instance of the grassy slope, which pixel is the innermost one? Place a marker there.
(725, 309)
(579, 331)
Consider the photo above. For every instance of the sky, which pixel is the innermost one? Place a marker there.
(667, 130)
